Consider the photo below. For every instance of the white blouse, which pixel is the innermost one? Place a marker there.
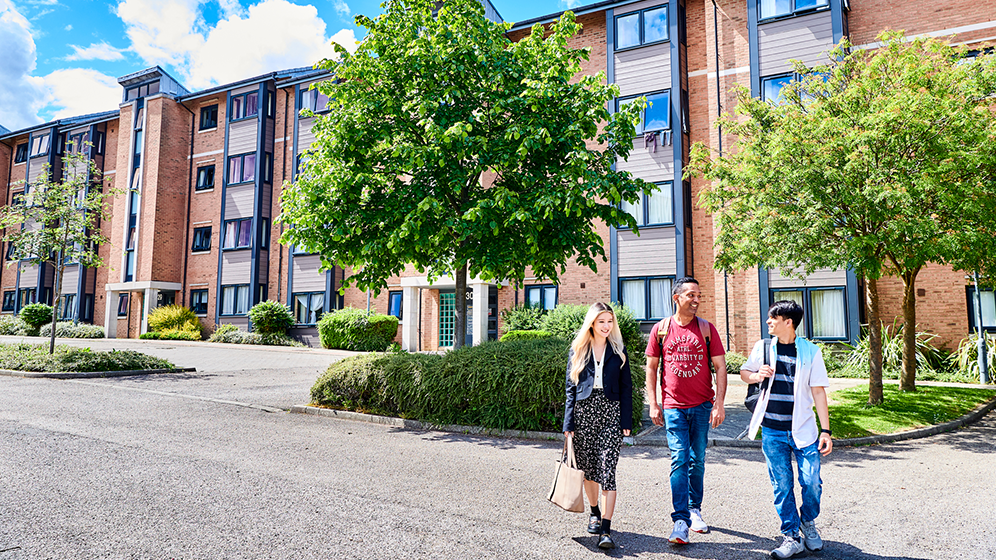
(599, 364)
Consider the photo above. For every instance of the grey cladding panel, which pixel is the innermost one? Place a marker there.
(242, 137)
(305, 136)
(806, 38)
(267, 192)
(36, 168)
(240, 322)
(648, 165)
(235, 267)
(245, 89)
(651, 254)
(70, 279)
(29, 276)
(308, 276)
(238, 201)
(643, 70)
(823, 277)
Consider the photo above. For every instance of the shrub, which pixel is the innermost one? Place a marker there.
(966, 358)
(521, 318)
(524, 335)
(36, 315)
(11, 325)
(564, 321)
(31, 357)
(515, 384)
(68, 329)
(892, 353)
(233, 335)
(174, 317)
(172, 334)
(354, 329)
(734, 362)
(271, 317)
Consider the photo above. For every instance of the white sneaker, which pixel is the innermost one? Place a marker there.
(810, 536)
(698, 524)
(790, 547)
(680, 533)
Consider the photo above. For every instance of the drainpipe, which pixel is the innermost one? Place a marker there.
(982, 349)
(186, 219)
(719, 113)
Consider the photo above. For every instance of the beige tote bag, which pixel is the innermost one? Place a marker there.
(568, 481)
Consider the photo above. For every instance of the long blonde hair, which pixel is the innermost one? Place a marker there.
(582, 341)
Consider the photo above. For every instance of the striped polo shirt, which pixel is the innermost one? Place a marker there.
(778, 414)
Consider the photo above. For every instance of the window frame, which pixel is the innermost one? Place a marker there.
(209, 173)
(235, 310)
(645, 207)
(772, 77)
(21, 153)
(970, 296)
(212, 121)
(309, 98)
(621, 101)
(123, 304)
(242, 167)
(400, 295)
(239, 114)
(641, 24)
(42, 143)
(9, 301)
(194, 306)
(647, 317)
(238, 230)
(67, 307)
(321, 312)
(793, 11)
(200, 235)
(807, 307)
(542, 290)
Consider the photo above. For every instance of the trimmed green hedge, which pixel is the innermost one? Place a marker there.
(515, 384)
(355, 329)
(524, 335)
(734, 361)
(233, 335)
(68, 329)
(31, 357)
(172, 334)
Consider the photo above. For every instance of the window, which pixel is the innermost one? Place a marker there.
(9, 300)
(131, 239)
(202, 239)
(235, 300)
(394, 304)
(77, 143)
(309, 308)
(68, 308)
(656, 116)
(26, 296)
(238, 234)
(11, 249)
(209, 117)
(653, 209)
(988, 308)
(778, 8)
(244, 106)
(771, 87)
(314, 100)
(98, 143)
(645, 27)
(541, 297)
(22, 153)
(142, 91)
(205, 178)
(242, 168)
(122, 305)
(39, 145)
(199, 301)
(264, 234)
(824, 311)
(647, 298)
(267, 167)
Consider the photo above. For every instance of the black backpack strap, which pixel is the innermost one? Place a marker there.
(706, 330)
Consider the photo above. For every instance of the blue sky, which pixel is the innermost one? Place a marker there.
(62, 58)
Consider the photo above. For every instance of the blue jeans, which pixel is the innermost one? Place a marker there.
(687, 436)
(779, 447)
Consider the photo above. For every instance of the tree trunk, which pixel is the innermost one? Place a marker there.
(907, 379)
(57, 288)
(460, 320)
(874, 343)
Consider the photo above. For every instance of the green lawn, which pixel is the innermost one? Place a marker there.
(850, 416)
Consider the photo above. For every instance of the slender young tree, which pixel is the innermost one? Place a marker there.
(880, 161)
(58, 221)
(451, 148)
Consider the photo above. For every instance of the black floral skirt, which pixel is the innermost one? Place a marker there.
(597, 438)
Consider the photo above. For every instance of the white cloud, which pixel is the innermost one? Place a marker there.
(163, 32)
(79, 91)
(69, 27)
(96, 51)
(341, 8)
(21, 95)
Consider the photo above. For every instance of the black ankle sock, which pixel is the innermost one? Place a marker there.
(606, 526)
(596, 512)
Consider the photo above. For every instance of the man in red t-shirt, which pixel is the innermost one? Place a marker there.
(690, 405)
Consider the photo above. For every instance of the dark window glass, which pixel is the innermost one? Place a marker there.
(264, 225)
(205, 178)
(9, 300)
(122, 305)
(152, 88)
(98, 143)
(394, 305)
(209, 117)
(245, 233)
(238, 105)
(11, 248)
(27, 296)
(68, 308)
(199, 301)
(132, 94)
(202, 239)
(22, 153)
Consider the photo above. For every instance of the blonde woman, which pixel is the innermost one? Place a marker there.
(599, 411)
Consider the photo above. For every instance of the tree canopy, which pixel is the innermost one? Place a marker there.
(451, 148)
(879, 161)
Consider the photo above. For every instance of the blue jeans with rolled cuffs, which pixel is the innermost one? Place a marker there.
(779, 448)
(687, 437)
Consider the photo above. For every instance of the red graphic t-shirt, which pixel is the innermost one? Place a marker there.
(687, 380)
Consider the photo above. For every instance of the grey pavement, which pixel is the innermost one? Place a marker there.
(178, 466)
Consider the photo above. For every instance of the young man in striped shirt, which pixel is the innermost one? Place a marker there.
(795, 384)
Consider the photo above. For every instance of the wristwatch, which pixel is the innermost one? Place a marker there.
(827, 432)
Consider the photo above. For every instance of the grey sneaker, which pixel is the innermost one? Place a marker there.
(680, 533)
(698, 524)
(810, 536)
(790, 547)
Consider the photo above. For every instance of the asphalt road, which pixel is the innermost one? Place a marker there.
(206, 465)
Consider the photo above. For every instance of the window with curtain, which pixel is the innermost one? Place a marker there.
(541, 297)
(199, 301)
(648, 298)
(238, 234)
(652, 209)
(797, 296)
(825, 311)
(235, 300)
(308, 307)
(778, 8)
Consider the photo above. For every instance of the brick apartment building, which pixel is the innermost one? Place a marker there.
(201, 174)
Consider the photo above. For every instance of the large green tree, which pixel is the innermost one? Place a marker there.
(449, 147)
(57, 220)
(881, 161)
